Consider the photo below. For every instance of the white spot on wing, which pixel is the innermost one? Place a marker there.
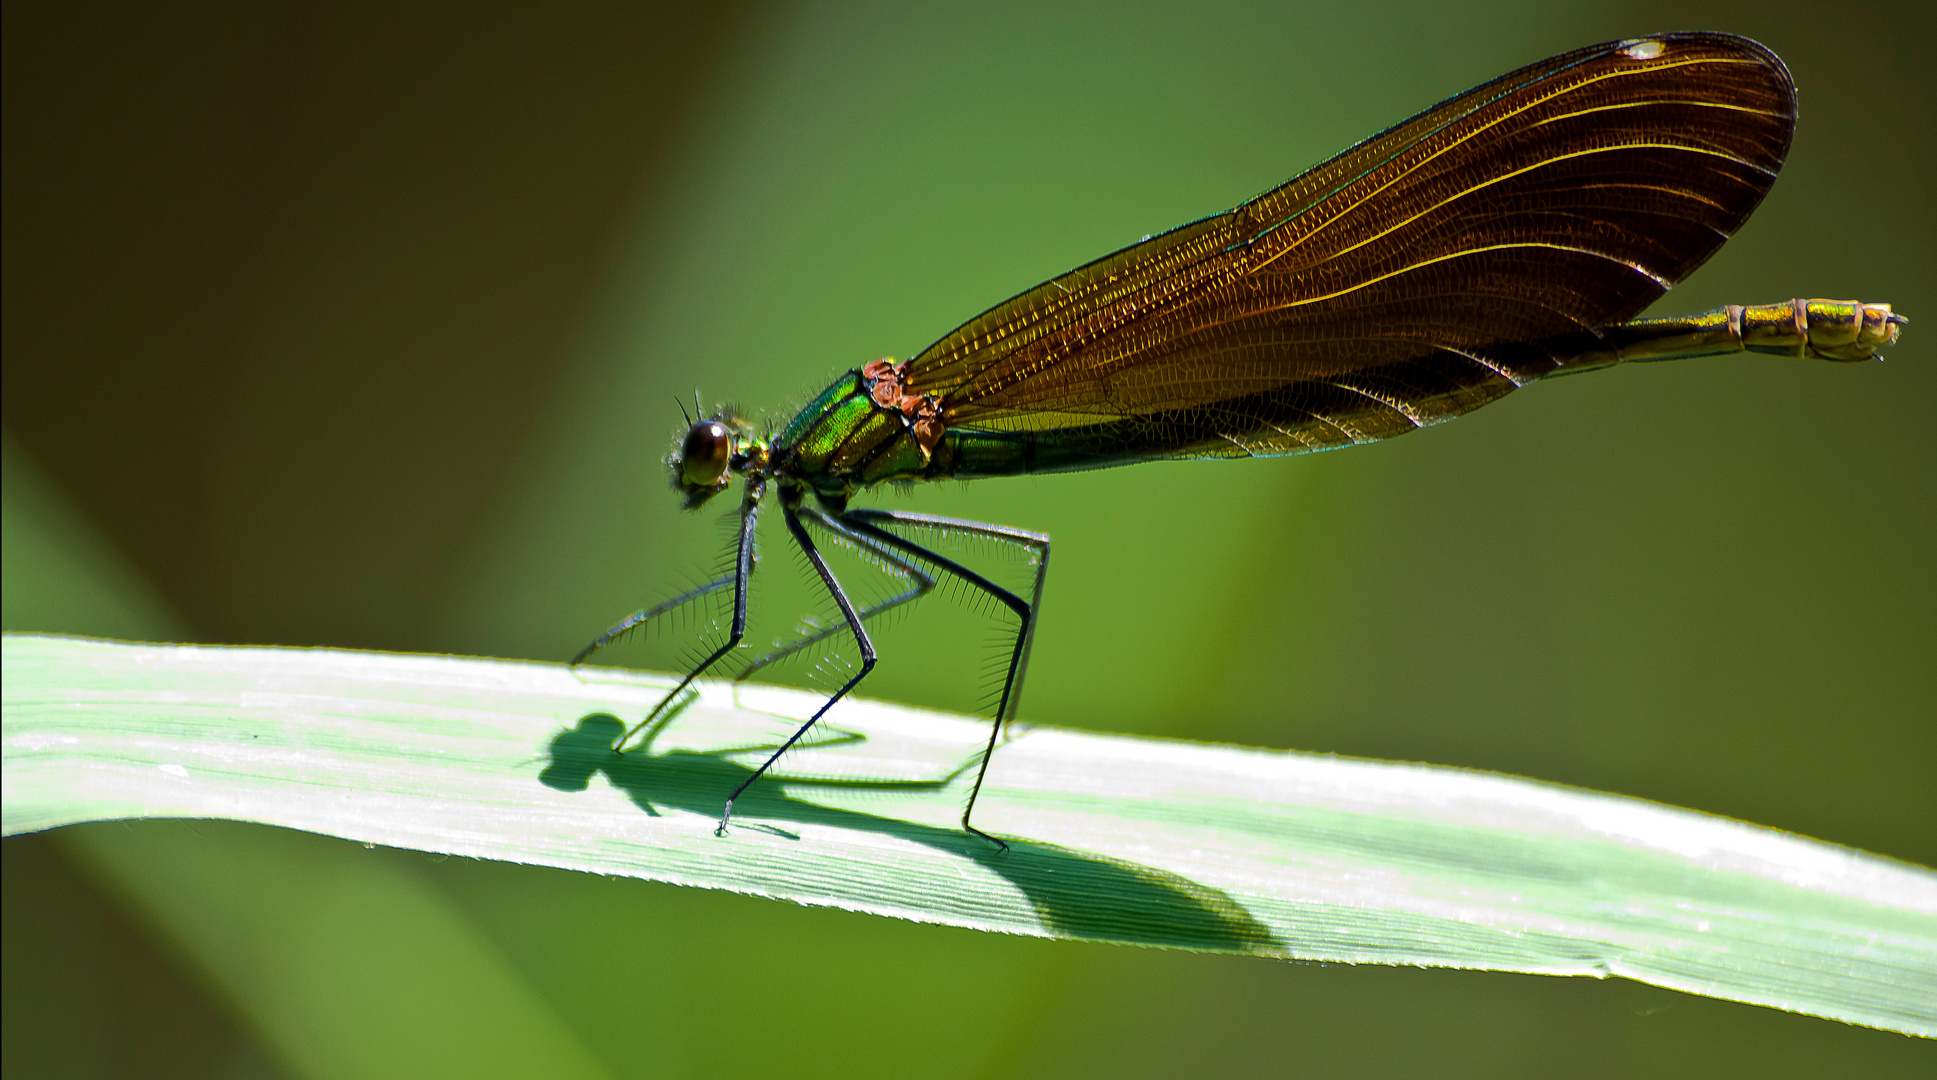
(1643, 50)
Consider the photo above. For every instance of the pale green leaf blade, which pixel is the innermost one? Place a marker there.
(1118, 839)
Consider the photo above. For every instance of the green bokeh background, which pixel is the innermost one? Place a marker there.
(362, 327)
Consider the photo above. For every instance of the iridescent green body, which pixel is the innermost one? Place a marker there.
(845, 440)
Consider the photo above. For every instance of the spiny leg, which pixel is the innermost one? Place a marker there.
(645, 615)
(924, 583)
(791, 512)
(742, 570)
(1035, 542)
(869, 521)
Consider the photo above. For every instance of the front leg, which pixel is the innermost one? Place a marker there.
(742, 571)
(790, 507)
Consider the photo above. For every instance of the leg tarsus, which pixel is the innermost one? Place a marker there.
(1001, 846)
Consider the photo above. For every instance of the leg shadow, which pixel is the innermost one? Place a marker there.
(1075, 893)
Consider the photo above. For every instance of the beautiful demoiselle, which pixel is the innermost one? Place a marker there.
(1506, 235)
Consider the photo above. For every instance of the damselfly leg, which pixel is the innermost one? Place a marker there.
(742, 571)
(869, 522)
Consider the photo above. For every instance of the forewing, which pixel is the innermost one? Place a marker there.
(1416, 273)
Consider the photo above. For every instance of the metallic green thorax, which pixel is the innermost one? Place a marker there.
(844, 440)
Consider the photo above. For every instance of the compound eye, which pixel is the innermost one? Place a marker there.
(703, 459)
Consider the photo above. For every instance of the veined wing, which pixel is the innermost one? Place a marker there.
(1412, 276)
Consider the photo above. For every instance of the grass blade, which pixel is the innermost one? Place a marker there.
(1129, 840)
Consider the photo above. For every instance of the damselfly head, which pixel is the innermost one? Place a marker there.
(708, 455)
(704, 455)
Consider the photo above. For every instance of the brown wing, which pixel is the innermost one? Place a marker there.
(1412, 273)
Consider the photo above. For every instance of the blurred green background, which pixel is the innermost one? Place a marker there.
(361, 325)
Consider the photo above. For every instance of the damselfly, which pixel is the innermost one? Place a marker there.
(1507, 235)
